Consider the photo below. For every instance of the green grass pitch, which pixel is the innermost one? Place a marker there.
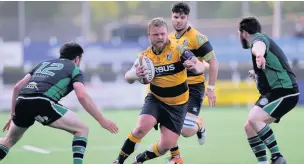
(226, 142)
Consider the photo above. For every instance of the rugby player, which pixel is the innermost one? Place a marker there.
(165, 104)
(187, 36)
(277, 85)
(36, 97)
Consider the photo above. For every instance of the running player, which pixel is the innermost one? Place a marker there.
(169, 93)
(36, 97)
(277, 85)
(186, 35)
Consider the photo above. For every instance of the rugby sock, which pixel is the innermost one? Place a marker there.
(3, 151)
(267, 136)
(79, 148)
(175, 151)
(151, 153)
(128, 148)
(258, 148)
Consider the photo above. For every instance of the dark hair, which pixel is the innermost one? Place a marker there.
(181, 7)
(251, 25)
(70, 51)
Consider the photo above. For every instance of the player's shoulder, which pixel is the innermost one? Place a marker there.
(172, 35)
(175, 48)
(145, 52)
(195, 34)
(260, 37)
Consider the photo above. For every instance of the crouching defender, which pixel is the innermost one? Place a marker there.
(36, 97)
(277, 85)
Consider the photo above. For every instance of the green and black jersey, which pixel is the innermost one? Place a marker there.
(277, 73)
(53, 79)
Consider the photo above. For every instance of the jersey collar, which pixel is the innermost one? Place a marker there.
(188, 29)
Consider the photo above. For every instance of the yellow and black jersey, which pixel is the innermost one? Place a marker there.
(169, 84)
(199, 46)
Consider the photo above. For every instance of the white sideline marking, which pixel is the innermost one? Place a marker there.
(91, 148)
(36, 149)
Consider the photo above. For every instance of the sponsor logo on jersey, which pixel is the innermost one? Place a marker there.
(164, 68)
(32, 85)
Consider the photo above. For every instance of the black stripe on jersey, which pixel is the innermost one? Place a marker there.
(169, 69)
(203, 50)
(169, 91)
(190, 73)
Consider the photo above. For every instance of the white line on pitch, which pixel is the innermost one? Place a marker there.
(90, 148)
(36, 149)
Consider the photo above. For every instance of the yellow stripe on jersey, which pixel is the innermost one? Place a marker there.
(199, 45)
(169, 84)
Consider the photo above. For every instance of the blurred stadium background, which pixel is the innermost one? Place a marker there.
(113, 33)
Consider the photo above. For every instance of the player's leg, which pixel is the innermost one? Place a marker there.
(21, 121)
(257, 145)
(167, 140)
(71, 123)
(57, 116)
(267, 110)
(14, 134)
(192, 124)
(171, 119)
(147, 120)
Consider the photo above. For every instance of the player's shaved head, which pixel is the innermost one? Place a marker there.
(70, 51)
(157, 22)
(181, 8)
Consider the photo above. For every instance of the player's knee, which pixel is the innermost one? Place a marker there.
(167, 144)
(140, 131)
(251, 121)
(247, 126)
(186, 132)
(83, 130)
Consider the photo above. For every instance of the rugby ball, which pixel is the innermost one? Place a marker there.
(148, 64)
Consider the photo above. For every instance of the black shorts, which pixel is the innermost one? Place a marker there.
(278, 102)
(196, 94)
(41, 109)
(169, 116)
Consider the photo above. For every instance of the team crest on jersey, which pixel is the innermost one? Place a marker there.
(263, 101)
(186, 42)
(169, 57)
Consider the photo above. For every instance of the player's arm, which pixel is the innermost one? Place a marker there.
(135, 72)
(190, 61)
(87, 103)
(17, 89)
(130, 75)
(259, 49)
(205, 52)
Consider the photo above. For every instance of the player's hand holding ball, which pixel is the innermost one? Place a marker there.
(141, 71)
(109, 125)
